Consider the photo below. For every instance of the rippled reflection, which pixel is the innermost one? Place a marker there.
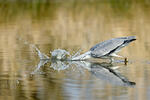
(108, 74)
(103, 71)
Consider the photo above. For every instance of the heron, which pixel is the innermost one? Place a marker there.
(107, 48)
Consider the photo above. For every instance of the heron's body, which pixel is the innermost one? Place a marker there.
(106, 49)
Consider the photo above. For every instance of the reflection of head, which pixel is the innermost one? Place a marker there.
(59, 54)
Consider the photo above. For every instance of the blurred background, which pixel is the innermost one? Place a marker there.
(71, 25)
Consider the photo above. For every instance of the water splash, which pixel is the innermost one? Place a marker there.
(41, 63)
(76, 53)
(42, 56)
(60, 54)
(57, 54)
(60, 65)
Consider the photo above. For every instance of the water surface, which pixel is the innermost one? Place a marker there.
(72, 26)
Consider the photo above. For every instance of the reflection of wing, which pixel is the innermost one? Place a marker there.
(109, 75)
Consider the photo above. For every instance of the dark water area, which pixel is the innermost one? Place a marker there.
(73, 25)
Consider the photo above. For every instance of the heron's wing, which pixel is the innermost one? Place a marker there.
(106, 47)
(110, 46)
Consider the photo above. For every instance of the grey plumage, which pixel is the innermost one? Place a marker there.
(106, 49)
(109, 47)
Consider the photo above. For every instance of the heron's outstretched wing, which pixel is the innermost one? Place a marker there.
(110, 46)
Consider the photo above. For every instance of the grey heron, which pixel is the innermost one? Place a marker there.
(106, 49)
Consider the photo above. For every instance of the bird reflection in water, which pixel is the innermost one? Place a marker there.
(103, 71)
(110, 75)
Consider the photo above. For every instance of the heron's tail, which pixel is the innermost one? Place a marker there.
(130, 39)
(83, 56)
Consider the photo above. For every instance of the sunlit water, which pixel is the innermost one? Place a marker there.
(73, 26)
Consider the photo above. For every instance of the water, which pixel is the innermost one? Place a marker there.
(73, 26)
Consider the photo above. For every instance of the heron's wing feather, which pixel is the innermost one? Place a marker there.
(106, 47)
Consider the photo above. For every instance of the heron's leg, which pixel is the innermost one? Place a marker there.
(125, 61)
(115, 55)
(125, 58)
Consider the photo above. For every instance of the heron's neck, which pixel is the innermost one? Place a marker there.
(83, 56)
